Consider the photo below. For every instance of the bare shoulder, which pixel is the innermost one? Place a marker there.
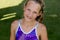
(42, 31)
(42, 26)
(14, 24)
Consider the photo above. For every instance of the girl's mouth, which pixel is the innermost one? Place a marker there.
(29, 17)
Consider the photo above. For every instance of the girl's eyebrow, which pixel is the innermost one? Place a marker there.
(33, 11)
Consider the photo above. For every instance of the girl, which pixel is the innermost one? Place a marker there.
(30, 27)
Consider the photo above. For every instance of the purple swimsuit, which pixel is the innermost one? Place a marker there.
(21, 35)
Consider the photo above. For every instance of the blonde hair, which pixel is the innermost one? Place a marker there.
(40, 17)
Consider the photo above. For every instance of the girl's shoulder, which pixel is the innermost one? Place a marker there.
(41, 27)
(14, 25)
(15, 22)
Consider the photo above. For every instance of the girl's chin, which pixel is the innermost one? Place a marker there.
(28, 19)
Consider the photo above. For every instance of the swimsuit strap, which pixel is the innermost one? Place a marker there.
(18, 26)
(35, 27)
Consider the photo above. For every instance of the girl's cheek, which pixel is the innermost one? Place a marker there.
(26, 12)
(35, 16)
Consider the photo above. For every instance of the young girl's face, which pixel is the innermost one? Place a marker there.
(31, 10)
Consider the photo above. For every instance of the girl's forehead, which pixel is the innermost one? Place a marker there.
(33, 4)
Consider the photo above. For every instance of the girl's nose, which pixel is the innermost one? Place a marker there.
(30, 14)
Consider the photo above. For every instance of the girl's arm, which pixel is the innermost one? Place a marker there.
(42, 31)
(13, 27)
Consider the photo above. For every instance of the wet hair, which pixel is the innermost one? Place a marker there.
(41, 3)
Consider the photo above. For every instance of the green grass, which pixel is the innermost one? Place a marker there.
(52, 23)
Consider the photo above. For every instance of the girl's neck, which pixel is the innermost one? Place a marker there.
(30, 23)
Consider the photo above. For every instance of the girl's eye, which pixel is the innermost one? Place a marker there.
(28, 9)
(35, 12)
